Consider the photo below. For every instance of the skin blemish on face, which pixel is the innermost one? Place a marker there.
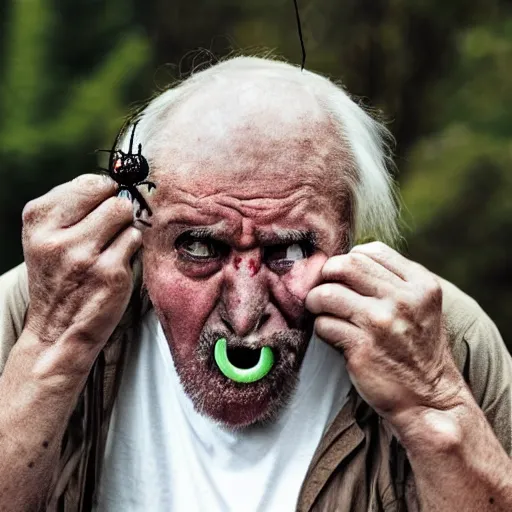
(254, 267)
(237, 262)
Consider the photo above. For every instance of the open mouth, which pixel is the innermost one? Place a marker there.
(243, 357)
(241, 364)
(240, 382)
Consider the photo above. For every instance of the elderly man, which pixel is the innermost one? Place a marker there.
(208, 389)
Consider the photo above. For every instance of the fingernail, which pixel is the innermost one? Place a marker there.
(125, 194)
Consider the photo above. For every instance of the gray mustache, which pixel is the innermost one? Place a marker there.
(284, 344)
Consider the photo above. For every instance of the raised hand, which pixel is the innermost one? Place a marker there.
(78, 242)
(384, 312)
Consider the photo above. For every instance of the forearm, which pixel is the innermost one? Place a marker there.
(457, 461)
(37, 395)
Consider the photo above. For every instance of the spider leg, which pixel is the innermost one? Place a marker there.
(150, 184)
(143, 205)
(113, 150)
(132, 136)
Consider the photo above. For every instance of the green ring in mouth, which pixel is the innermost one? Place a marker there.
(244, 375)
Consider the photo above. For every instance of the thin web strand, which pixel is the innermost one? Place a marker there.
(299, 28)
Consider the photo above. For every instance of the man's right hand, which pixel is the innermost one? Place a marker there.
(78, 241)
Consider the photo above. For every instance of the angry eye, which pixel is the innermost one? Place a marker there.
(198, 249)
(280, 258)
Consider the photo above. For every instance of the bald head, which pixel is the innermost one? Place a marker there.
(252, 127)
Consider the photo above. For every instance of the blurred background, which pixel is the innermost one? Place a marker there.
(71, 70)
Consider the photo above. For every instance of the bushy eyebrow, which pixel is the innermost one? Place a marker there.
(275, 237)
(286, 236)
(202, 232)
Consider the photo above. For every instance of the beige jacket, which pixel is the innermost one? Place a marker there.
(358, 465)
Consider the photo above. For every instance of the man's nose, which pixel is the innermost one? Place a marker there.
(245, 296)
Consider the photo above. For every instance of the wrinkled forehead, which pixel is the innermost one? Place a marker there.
(259, 121)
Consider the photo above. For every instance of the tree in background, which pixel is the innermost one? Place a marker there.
(459, 182)
(61, 93)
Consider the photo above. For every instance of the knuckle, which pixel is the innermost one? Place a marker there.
(78, 260)
(378, 246)
(375, 247)
(51, 246)
(118, 280)
(327, 293)
(400, 328)
(327, 328)
(355, 261)
(383, 320)
(333, 266)
(31, 212)
(90, 186)
(349, 261)
(40, 242)
(359, 354)
(116, 277)
(89, 180)
(119, 207)
(434, 291)
(322, 325)
(427, 292)
(405, 302)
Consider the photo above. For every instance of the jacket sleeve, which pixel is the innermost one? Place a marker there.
(13, 307)
(488, 371)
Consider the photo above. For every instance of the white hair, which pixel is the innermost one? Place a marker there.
(374, 208)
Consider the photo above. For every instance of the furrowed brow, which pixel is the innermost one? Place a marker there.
(202, 232)
(286, 236)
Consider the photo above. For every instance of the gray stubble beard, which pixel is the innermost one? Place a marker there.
(238, 405)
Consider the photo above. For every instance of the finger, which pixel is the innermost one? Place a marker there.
(69, 203)
(311, 270)
(389, 259)
(362, 274)
(338, 300)
(124, 247)
(105, 222)
(340, 334)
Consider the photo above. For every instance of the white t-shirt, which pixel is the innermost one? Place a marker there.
(162, 455)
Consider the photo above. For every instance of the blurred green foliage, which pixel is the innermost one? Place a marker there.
(53, 109)
(459, 182)
(71, 70)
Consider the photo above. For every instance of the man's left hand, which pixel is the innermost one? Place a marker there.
(385, 313)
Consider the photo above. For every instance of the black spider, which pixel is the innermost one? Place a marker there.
(129, 170)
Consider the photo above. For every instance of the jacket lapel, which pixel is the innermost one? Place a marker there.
(341, 439)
